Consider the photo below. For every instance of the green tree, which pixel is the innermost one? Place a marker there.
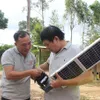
(54, 20)
(91, 36)
(84, 16)
(3, 48)
(94, 31)
(28, 14)
(83, 13)
(95, 7)
(3, 21)
(36, 32)
(22, 25)
(35, 29)
(78, 12)
(70, 14)
(42, 5)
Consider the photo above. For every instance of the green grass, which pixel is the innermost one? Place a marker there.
(0, 67)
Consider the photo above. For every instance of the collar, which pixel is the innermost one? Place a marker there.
(16, 50)
(67, 46)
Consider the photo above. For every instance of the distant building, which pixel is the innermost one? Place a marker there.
(43, 53)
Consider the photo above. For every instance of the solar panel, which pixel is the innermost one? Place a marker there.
(81, 63)
(73, 68)
(91, 56)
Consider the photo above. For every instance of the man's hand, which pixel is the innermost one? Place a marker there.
(35, 73)
(58, 82)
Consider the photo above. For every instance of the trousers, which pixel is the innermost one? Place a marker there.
(2, 98)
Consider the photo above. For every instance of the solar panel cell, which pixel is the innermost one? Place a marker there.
(91, 56)
(70, 71)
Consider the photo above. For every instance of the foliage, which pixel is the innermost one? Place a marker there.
(33, 22)
(94, 31)
(83, 12)
(42, 5)
(1, 67)
(35, 51)
(39, 5)
(35, 28)
(22, 25)
(89, 17)
(84, 17)
(70, 5)
(54, 20)
(3, 48)
(70, 14)
(36, 33)
(91, 36)
(95, 7)
(3, 21)
(44, 55)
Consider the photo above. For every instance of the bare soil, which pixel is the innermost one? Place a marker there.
(91, 91)
(88, 91)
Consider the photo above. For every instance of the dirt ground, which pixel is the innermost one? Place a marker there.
(88, 91)
(91, 91)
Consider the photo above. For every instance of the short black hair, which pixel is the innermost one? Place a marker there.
(50, 32)
(20, 34)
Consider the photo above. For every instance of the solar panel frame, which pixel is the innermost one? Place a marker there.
(77, 60)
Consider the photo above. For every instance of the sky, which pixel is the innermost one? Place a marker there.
(13, 10)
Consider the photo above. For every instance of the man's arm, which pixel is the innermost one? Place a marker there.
(79, 80)
(13, 75)
(44, 66)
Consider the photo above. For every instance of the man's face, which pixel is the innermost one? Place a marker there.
(24, 45)
(53, 46)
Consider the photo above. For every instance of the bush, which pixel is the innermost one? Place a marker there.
(0, 67)
(41, 57)
(3, 48)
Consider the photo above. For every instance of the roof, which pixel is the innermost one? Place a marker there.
(38, 46)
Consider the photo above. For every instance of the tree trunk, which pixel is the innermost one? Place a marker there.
(42, 15)
(95, 72)
(71, 27)
(28, 15)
